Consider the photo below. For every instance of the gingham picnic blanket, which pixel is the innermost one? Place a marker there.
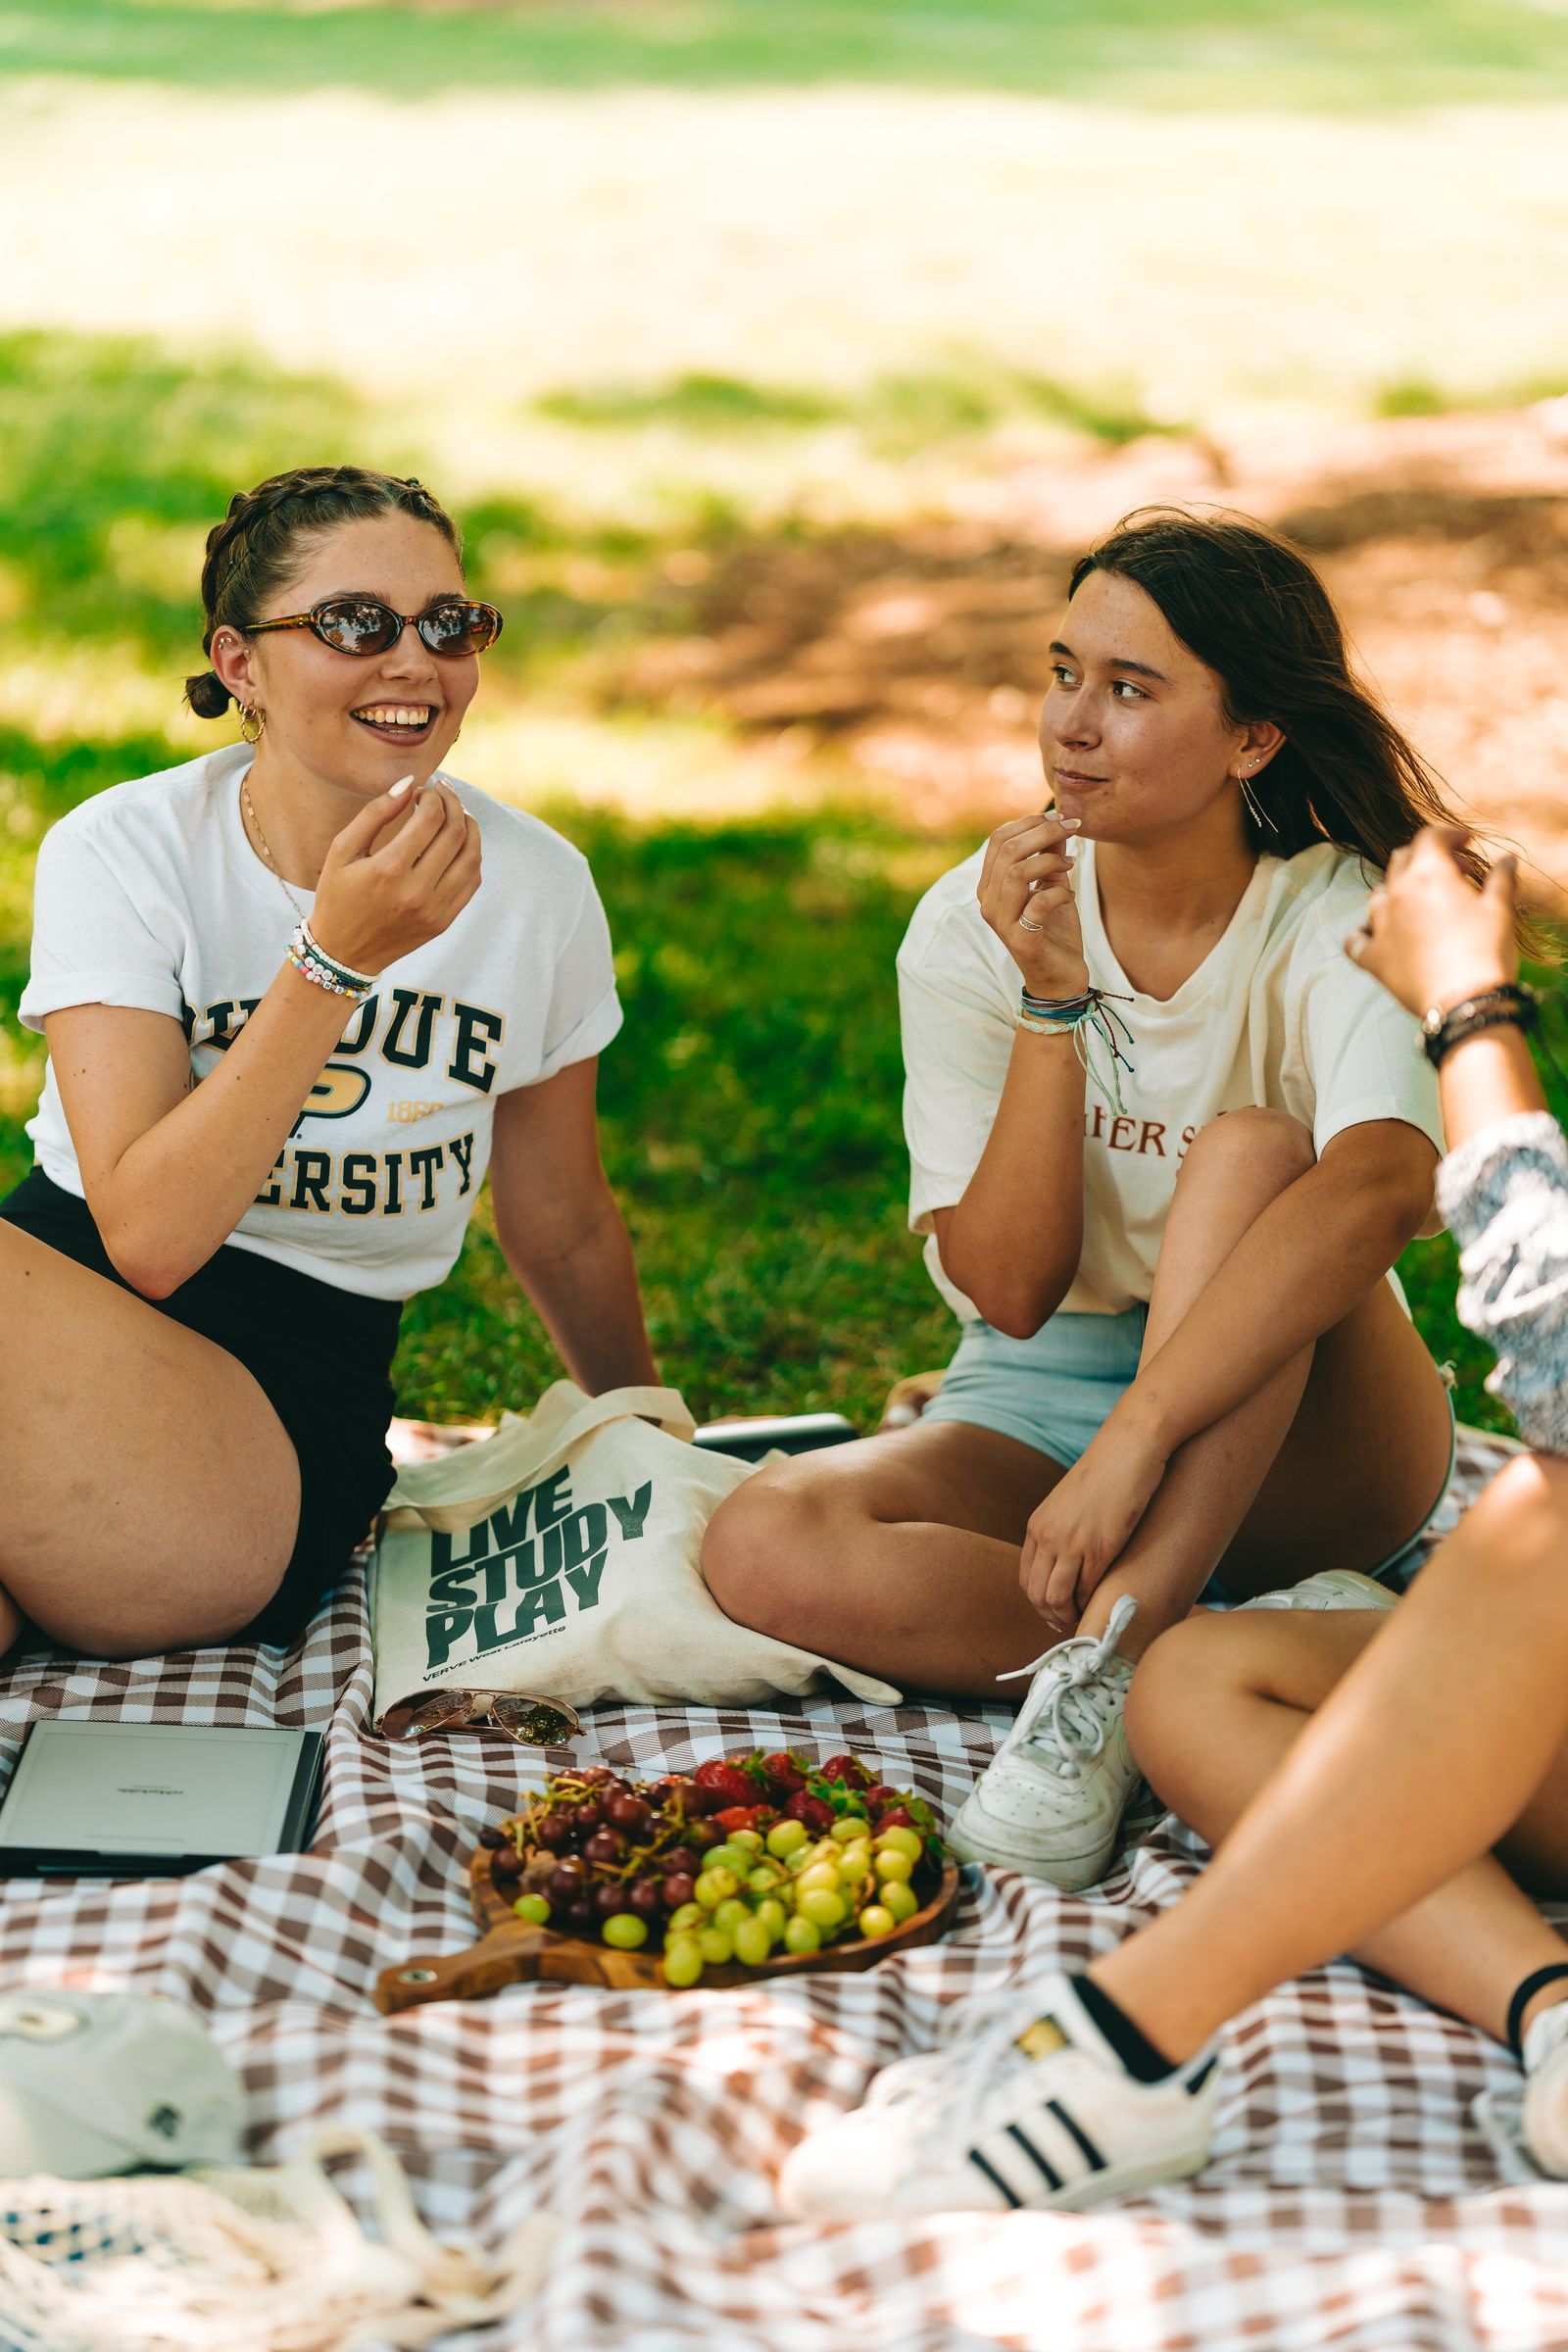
(1350, 2202)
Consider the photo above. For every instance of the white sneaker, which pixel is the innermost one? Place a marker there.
(1546, 2108)
(1025, 2104)
(1330, 1588)
(1527, 2129)
(1052, 1798)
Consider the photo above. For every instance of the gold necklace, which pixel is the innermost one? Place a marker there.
(249, 810)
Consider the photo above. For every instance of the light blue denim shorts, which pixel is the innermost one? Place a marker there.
(1054, 1392)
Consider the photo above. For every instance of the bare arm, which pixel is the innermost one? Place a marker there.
(1433, 939)
(563, 1234)
(170, 1167)
(1313, 1254)
(1012, 1242)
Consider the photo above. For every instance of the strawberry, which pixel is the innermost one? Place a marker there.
(784, 1773)
(879, 1797)
(815, 1811)
(718, 1784)
(745, 1817)
(848, 1769)
(897, 1817)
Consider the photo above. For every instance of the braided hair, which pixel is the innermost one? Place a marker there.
(257, 546)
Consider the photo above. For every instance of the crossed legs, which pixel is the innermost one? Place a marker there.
(1386, 1786)
(901, 1554)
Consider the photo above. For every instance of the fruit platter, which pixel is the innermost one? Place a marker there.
(749, 1866)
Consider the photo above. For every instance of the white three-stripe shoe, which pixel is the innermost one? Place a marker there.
(1025, 2104)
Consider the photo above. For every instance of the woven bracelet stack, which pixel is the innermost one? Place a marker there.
(1084, 1018)
(314, 964)
(1505, 1006)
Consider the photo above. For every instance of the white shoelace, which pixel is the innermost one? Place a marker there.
(944, 2089)
(1061, 1703)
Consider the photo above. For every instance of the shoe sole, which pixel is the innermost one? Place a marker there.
(1368, 1594)
(1097, 2188)
(1072, 1873)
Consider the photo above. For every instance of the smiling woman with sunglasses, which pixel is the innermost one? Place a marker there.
(299, 995)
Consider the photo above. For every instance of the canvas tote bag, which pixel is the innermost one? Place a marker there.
(560, 1557)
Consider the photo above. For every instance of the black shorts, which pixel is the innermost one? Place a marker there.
(321, 1357)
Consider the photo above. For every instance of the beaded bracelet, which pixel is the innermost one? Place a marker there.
(312, 963)
(344, 971)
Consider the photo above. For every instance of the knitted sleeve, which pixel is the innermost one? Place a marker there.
(1504, 1196)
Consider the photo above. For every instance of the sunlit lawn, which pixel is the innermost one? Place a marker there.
(750, 1116)
(641, 286)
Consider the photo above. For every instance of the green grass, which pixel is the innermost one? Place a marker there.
(752, 1107)
(896, 416)
(750, 1115)
(1356, 56)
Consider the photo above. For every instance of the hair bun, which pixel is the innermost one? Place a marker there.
(207, 694)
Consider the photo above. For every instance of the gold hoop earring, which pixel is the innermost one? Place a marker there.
(1260, 815)
(251, 722)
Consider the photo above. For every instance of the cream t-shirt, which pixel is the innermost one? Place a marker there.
(1275, 1017)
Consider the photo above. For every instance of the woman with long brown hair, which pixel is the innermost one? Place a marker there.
(1166, 1145)
(300, 994)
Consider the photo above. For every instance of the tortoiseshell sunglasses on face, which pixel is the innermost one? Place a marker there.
(363, 624)
(531, 1722)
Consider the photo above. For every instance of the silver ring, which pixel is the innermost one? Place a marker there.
(1024, 924)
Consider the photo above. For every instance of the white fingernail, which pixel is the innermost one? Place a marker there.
(1069, 824)
(400, 788)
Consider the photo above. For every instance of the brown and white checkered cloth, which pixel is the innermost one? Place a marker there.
(1350, 2203)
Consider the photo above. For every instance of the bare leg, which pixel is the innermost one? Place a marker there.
(1384, 1757)
(151, 1493)
(1338, 1460)
(899, 1554)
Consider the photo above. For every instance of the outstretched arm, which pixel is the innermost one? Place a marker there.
(1434, 940)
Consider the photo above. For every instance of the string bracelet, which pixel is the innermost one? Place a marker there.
(1064, 1010)
(312, 963)
(1089, 1020)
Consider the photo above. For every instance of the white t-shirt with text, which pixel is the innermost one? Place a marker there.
(1276, 1016)
(150, 895)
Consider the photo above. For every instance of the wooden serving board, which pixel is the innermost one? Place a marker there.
(511, 1952)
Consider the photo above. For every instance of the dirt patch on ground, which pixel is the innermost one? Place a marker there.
(921, 651)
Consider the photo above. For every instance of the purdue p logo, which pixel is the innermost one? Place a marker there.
(338, 1092)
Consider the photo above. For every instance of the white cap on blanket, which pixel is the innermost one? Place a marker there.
(99, 2083)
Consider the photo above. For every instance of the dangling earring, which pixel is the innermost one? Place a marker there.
(1260, 815)
(251, 722)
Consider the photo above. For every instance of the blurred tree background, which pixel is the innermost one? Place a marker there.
(778, 361)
